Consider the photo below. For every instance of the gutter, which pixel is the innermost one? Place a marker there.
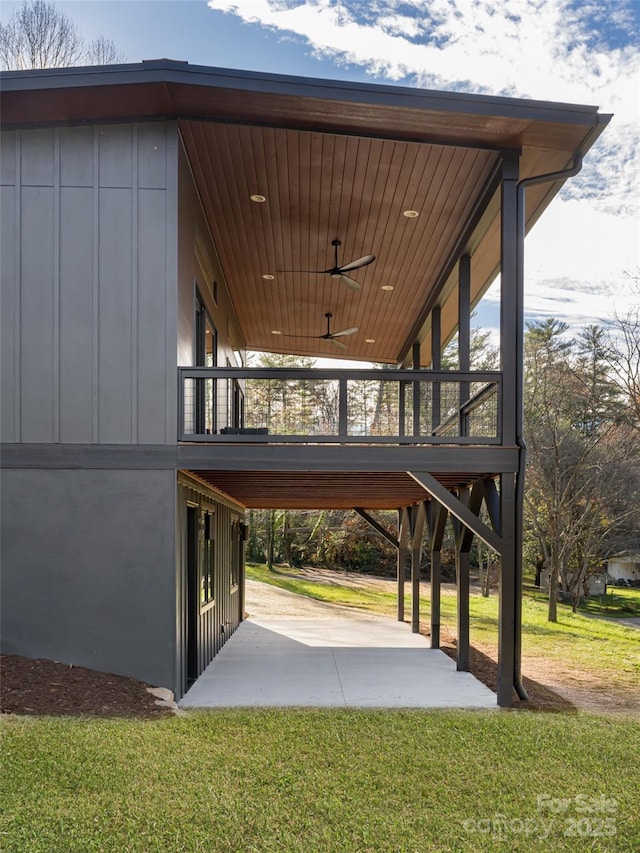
(549, 177)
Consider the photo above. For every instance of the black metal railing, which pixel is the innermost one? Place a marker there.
(228, 404)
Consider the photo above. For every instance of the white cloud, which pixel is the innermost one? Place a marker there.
(547, 49)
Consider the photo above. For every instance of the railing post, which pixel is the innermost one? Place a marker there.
(436, 363)
(342, 408)
(464, 332)
(416, 391)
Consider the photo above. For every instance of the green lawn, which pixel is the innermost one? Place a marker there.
(619, 602)
(321, 781)
(610, 651)
(317, 781)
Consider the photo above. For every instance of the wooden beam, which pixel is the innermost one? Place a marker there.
(377, 526)
(457, 508)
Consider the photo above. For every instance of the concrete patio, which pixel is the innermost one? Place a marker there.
(345, 659)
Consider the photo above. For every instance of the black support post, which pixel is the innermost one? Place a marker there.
(436, 364)
(464, 330)
(416, 391)
(511, 365)
(437, 522)
(418, 515)
(507, 613)
(403, 536)
(462, 591)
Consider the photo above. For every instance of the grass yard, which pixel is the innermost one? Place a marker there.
(619, 602)
(321, 781)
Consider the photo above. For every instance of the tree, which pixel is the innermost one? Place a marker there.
(582, 473)
(623, 353)
(38, 35)
(102, 51)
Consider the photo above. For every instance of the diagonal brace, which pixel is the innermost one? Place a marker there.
(457, 509)
(377, 526)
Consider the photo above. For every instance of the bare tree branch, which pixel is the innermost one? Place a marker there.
(38, 35)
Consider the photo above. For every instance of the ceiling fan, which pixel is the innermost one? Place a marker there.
(330, 336)
(337, 271)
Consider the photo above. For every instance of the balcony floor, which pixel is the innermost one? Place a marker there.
(315, 477)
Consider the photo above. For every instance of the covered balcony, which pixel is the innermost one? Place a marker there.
(344, 406)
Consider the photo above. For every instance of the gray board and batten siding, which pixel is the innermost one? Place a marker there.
(89, 303)
(97, 286)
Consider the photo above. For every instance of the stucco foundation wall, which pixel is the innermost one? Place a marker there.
(88, 569)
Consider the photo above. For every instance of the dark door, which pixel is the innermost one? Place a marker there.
(192, 594)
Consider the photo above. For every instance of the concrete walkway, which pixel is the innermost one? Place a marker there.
(344, 660)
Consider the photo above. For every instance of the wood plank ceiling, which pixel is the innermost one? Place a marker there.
(320, 187)
(323, 489)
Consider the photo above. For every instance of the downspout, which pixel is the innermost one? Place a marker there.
(569, 172)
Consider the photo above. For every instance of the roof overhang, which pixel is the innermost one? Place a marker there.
(334, 160)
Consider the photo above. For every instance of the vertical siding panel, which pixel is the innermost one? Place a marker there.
(36, 298)
(151, 401)
(9, 149)
(171, 283)
(95, 288)
(76, 157)
(17, 305)
(55, 391)
(115, 357)
(134, 284)
(37, 167)
(9, 307)
(116, 157)
(76, 315)
(152, 155)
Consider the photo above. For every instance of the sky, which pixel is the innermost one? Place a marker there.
(579, 255)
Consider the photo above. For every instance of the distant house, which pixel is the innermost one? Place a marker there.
(161, 219)
(624, 567)
(595, 584)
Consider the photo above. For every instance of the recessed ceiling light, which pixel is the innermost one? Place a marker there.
(411, 214)
(369, 340)
(258, 198)
(276, 332)
(268, 277)
(387, 287)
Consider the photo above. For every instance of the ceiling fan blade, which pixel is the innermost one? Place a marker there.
(350, 282)
(310, 272)
(356, 265)
(338, 344)
(343, 332)
(285, 335)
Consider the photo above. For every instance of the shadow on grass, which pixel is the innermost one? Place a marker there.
(541, 698)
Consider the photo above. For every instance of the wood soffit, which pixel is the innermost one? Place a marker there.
(334, 161)
(323, 490)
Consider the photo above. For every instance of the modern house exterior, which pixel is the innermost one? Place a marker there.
(161, 219)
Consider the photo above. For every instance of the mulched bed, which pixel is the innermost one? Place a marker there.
(45, 688)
